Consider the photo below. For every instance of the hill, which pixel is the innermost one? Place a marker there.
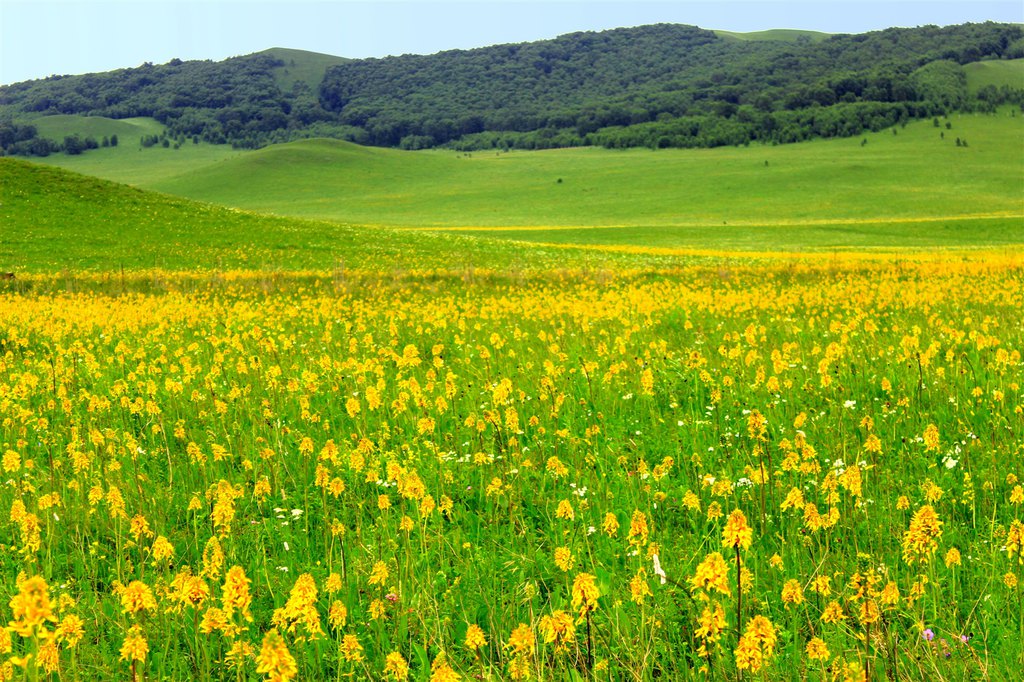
(300, 68)
(1008, 73)
(664, 85)
(876, 190)
(913, 189)
(681, 85)
(129, 129)
(143, 167)
(236, 100)
(781, 34)
(54, 219)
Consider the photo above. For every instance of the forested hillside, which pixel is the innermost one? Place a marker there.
(664, 85)
(240, 100)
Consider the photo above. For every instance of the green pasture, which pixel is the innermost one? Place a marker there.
(54, 220)
(301, 66)
(918, 172)
(998, 73)
(129, 162)
(909, 186)
(128, 130)
(971, 233)
(776, 34)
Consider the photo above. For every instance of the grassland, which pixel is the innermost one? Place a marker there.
(776, 34)
(58, 221)
(809, 236)
(129, 163)
(910, 175)
(916, 187)
(128, 130)
(998, 73)
(301, 66)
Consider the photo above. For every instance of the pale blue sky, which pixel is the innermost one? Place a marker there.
(40, 37)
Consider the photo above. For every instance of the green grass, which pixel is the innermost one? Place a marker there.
(998, 73)
(54, 220)
(905, 177)
(813, 236)
(130, 163)
(776, 34)
(128, 130)
(301, 66)
(912, 188)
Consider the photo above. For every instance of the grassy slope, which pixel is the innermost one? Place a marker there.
(912, 188)
(780, 34)
(808, 237)
(909, 177)
(131, 164)
(1006, 72)
(128, 130)
(55, 220)
(128, 162)
(301, 66)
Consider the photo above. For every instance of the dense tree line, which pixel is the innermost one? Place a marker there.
(664, 85)
(23, 140)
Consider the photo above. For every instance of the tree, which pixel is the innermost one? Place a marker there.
(73, 145)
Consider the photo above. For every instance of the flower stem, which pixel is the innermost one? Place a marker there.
(739, 596)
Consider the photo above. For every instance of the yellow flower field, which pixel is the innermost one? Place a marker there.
(763, 468)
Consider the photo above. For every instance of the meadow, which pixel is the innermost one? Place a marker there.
(242, 446)
(767, 469)
(862, 191)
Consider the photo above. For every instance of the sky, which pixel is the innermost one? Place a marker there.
(39, 38)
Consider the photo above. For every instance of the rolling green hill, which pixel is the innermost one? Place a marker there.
(913, 189)
(998, 73)
(132, 164)
(776, 34)
(128, 130)
(54, 220)
(919, 175)
(301, 66)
